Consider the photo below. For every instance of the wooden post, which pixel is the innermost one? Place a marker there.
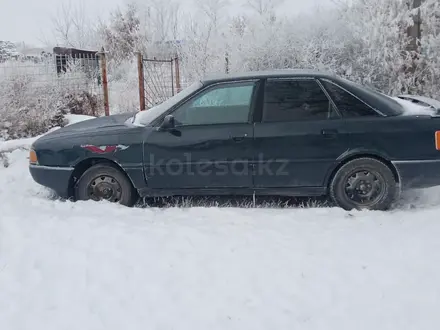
(177, 68)
(105, 82)
(415, 31)
(141, 81)
(172, 77)
(227, 62)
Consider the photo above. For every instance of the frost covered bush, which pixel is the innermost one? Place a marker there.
(7, 49)
(25, 109)
(81, 103)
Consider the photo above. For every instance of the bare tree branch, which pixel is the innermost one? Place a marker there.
(264, 7)
(72, 26)
(213, 9)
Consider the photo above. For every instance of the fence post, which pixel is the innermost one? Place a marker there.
(105, 82)
(172, 77)
(141, 81)
(227, 62)
(414, 32)
(177, 68)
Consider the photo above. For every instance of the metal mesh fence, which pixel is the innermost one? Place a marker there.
(159, 81)
(52, 81)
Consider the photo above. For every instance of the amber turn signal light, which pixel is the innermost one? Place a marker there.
(33, 157)
(437, 140)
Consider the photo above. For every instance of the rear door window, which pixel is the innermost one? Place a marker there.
(295, 100)
(348, 105)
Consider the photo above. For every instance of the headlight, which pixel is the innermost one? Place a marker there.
(33, 157)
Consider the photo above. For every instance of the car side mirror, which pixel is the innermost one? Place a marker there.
(168, 123)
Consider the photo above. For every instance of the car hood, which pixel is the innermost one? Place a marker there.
(91, 126)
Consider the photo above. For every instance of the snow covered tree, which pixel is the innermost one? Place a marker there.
(428, 69)
(264, 7)
(374, 43)
(122, 34)
(7, 49)
(205, 40)
(73, 27)
(214, 10)
(160, 20)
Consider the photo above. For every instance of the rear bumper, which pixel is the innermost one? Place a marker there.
(55, 178)
(418, 173)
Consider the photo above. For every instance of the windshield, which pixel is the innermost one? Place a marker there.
(144, 118)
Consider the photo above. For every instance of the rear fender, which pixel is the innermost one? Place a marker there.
(360, 153)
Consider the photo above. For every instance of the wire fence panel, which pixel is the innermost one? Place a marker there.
(159, 80)
(53, 81)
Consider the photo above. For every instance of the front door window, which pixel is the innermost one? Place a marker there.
(221, 104)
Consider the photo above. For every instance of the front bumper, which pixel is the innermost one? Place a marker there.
(55, 178)
(418, 173)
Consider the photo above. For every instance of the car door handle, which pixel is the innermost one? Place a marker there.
(329, 133)
(238, 138)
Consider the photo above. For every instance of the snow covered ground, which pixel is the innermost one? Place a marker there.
(98, 266)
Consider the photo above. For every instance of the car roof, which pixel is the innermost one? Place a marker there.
(290, 73)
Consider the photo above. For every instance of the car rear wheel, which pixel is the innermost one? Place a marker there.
(364, 183)
(105, 182)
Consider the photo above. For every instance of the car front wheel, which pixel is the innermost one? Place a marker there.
(105, 182)
(364, 183)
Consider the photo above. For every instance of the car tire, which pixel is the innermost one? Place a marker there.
(364, 183)
(105, 182)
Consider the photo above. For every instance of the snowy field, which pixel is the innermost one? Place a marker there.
(94, 266)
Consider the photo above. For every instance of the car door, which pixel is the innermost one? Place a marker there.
(210, 146)
(298, 138)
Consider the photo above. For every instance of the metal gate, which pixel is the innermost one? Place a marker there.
(159, 79)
